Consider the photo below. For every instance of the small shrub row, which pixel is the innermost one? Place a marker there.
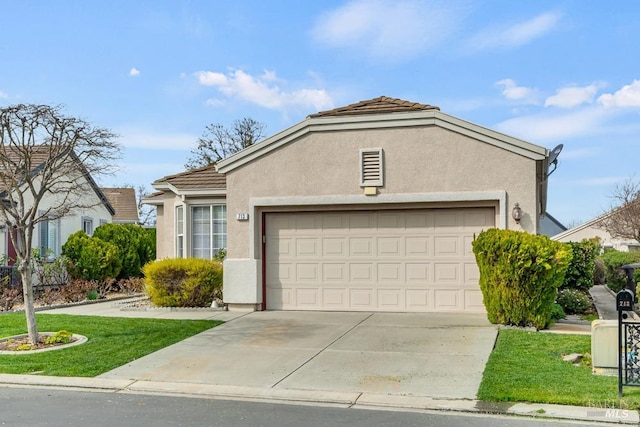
(183, 282)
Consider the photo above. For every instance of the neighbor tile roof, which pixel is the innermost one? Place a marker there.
(124, 203)
(382, 104)
(202, 178)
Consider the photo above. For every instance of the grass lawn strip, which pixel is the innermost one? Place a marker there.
(113, 342)
(528, 367)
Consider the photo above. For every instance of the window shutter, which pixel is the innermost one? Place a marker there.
(371, 167)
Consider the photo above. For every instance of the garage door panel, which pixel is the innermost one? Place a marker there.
(446, 246)
(361, 299)
(361, 246)
(418, 246)
(334, 247)
(395, 260)
(417, 272)
(361, 272)
(389, 273)
(389, 246)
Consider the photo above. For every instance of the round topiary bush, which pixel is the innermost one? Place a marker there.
(573, 301)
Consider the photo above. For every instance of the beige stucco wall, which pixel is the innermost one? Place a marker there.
(417, 160)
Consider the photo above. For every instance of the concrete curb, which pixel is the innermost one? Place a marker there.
(327, 398)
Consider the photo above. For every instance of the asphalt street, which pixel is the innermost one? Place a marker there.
(51, 407)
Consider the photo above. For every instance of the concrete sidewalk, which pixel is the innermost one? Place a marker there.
(365, 360)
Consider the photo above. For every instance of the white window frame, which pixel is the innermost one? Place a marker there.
(180, 231)
(50, 247)
(214, 231)
(87, 225)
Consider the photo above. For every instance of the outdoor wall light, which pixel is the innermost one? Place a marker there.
(516, 213)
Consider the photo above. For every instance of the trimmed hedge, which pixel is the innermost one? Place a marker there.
(90, 258)
(519, 275)
(183, 282)
(580, 273)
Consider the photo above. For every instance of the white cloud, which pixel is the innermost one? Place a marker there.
(515, 35)
(263, 91)
(627, 96)
(513, 92)
(388, 29)
(570, 97)
(580, 153)
(3, 95)
(539, 128)
(134, 72)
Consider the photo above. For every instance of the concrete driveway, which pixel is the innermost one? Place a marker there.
(415, 354)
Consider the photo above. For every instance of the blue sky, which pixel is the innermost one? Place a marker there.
(157, 72)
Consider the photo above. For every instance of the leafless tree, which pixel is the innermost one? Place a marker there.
(47, 164)
(146, 213)
(219, 142)
(623, 220)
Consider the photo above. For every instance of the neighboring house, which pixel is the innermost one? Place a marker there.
(123, 201)
(549, 226)
(591, 229)
(368, 207)
(49, 236)
(191, 213)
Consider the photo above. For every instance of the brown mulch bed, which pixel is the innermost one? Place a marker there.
(14, 343)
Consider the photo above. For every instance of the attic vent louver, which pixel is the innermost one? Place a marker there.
(371, 167)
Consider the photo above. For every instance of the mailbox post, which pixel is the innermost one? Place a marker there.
(624, 302)
(629, 269)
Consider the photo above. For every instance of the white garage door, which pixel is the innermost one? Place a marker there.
(387, 260)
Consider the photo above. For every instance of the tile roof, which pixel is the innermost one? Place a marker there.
(124, 203)
(382, 104)
(201, 178)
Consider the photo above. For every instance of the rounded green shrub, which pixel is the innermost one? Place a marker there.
(557, 312)
(519, 275)
(183, 282)
(90, 258)
(136, 246)
(573, 301)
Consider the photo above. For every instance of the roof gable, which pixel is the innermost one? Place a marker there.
(204, 179)
(379, 113)
(124, 203)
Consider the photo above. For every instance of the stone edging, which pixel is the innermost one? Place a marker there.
(79, 339)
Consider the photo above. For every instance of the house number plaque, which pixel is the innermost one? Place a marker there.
(242, 217)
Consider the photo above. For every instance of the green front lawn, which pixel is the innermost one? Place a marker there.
(528, 367)
(112, 342)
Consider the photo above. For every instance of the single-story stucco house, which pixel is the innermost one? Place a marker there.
(371, 207)
(591, 229)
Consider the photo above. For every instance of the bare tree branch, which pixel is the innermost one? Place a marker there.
(46, 155)
(218, 142)
(623, 221)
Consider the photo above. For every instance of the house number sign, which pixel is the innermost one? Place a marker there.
(242, 217)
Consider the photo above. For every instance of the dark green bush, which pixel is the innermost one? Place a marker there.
(573, 301)
(183, 282)
(557, 312)
(581, 268)
(614, 277)
(90, 258)
(136, 246)
(519, 275)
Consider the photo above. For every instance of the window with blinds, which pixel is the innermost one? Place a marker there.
(371, 167)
